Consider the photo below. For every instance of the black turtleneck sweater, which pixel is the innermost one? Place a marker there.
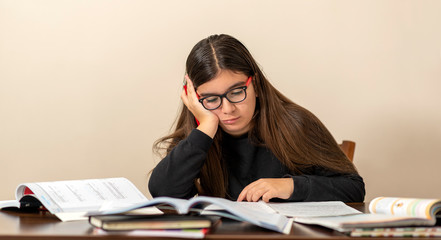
(174, 176)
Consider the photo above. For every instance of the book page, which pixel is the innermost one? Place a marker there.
(82, 195)
(412, 207)
(258, 206)
(313, 209)
(249, 212)
(71, 216)
(180, 205)
(9, 203)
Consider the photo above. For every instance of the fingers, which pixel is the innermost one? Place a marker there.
(189, 95)
(247, 192)
(257, 190)
(190, 87)
(266, 189)
(251, 193)
(184, 97)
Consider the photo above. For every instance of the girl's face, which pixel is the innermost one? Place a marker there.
(234, 118)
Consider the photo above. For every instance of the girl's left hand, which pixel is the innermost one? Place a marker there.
(267, 188)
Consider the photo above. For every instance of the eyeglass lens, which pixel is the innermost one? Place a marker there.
(234, 96)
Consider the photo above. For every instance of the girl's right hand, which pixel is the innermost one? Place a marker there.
(208, 121)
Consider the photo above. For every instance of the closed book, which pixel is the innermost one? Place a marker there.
(165, 221)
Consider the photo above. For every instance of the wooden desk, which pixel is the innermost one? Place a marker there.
(15, 225)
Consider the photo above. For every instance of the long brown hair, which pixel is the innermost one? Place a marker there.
(292, 133)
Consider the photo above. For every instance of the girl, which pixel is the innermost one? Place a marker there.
(238, 137)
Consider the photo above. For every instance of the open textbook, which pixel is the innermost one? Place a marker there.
(77, 199)
(70, 200)
(384, 212)
(257, 213)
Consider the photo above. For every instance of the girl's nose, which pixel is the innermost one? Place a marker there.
(227, 107)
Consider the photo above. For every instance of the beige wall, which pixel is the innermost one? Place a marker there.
(87, 86)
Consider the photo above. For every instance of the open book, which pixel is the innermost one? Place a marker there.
(70, 200)
(256, 213)
(384, 212)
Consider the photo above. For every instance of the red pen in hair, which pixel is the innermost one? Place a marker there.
(185, 88)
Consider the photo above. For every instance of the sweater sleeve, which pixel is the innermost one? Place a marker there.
(323, 185)
(174, 175)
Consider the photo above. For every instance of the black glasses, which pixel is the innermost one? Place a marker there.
(235, 95)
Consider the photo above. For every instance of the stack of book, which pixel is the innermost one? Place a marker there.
(257, 213)
(169, 225)
(389, 216)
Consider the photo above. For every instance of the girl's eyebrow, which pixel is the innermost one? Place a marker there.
(239, 84)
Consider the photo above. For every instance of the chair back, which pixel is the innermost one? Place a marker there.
(348, 148)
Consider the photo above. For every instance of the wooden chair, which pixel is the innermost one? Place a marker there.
(348, 148)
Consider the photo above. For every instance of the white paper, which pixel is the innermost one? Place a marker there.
(71, 216)
(313, 209)
(9, 203)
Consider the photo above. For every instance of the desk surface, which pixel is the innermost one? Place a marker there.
(15, 225)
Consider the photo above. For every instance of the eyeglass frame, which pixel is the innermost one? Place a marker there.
(225, 95)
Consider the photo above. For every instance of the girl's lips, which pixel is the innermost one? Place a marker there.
(230, 121)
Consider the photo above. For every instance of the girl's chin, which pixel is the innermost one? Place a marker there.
(234, 131)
